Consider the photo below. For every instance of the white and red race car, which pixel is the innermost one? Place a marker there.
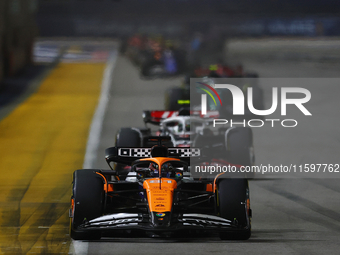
(182, 126)
(190, 129)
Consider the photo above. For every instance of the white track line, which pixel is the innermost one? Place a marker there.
(97, 121)
(79, 247)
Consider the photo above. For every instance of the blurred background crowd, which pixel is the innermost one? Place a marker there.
(180, 30)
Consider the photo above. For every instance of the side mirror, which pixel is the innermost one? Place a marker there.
(110, 155)
(146, 116)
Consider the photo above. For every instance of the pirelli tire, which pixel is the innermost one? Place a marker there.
(87, 203)
(240, 148)
(233, 204)
(130, 138)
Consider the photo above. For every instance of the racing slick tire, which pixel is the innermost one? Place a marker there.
(87, 203)
(130, 138)
(233, 204)
(239, 145)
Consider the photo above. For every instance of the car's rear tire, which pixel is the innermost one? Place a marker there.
(233, 204)
(130, 138)
(87, 203)
(239, 144)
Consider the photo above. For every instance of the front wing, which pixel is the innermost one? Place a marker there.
(130, 221)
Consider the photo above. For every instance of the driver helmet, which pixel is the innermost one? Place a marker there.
(166, 170)
(153, 169)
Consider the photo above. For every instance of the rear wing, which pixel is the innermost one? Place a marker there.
(128, 155)
(155, 117)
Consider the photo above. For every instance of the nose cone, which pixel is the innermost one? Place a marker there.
(160, 219)
(160, 192)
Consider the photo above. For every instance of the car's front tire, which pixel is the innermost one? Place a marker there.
(239, 144)
(233, 204)
(87, 203)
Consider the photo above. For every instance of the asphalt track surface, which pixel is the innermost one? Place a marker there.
(290, 216)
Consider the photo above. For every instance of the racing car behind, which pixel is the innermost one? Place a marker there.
(190, 129)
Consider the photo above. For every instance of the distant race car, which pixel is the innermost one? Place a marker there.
(156, 57)
(159, 196)
(167, 62)
(187, 129)
(182, 126)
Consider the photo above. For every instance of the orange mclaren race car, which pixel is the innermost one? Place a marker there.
(158, 195)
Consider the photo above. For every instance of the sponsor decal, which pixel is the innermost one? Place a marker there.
(160, 214)
(178, 175)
